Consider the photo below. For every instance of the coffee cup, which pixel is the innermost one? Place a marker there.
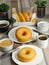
(43, 26)
(42, 41)
(4, 26)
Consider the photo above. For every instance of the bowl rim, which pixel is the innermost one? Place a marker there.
(6, 39)
(41, 22)
(6, 22)
(41, 36)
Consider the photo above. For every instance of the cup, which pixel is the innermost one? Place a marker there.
(43, 26)
(4, 26)
(6, 46)
(42, 41)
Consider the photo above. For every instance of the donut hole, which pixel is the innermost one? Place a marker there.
(27, 52)
(24, 33)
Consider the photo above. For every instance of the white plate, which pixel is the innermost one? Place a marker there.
(13, 38)
(37, 60)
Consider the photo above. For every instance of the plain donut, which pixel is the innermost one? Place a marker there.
(26, 54)
(23, 34)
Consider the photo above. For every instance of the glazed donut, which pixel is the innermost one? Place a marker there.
(26, 54)
(23, 34)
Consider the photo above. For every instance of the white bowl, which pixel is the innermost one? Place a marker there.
(4, 21)
(43, 26)
(8, 48)
(5, 27)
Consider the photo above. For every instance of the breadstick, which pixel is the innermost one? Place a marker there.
(21, 17)
(26, 16)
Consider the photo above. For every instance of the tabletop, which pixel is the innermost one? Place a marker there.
(7, 59)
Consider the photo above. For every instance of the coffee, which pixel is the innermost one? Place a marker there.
(42, 37)
(2, 25)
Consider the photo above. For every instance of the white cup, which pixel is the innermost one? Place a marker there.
(42, 43)
(43, 26)
(8, 48)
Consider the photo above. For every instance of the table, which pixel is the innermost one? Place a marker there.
(7, 60)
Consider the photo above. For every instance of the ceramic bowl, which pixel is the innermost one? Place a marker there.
(43, 26)
(4, 26)
(8, 48)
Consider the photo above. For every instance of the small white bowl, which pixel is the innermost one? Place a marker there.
(5, 27)
(8, 48)
(43, 26)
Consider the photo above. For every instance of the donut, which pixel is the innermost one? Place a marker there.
(23, 34)
(26, 54)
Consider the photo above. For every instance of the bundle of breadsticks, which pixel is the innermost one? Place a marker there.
(23, 16)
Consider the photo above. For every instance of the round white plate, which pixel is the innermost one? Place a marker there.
(37, 60)
(13, 38)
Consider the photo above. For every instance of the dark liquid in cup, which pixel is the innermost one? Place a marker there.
(2, 25)
(43, 38)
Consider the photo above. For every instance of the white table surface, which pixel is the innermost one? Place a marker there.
(6, 61)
